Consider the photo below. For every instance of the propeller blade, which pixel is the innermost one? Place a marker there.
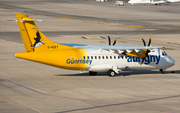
(149, 41)
(148, 51)
(143, 41)
(114, 42)
(148, 59)
(143, 60)
(109, 39)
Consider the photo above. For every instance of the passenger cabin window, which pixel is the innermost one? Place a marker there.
(95, 57)
(87, 57)
(80, 57)
(91, 57)
(99, 57)
(84, 57)
(106, 57)
(118, 57)
(122, 57)
(114, 57)
(110, 57)
(102, 57)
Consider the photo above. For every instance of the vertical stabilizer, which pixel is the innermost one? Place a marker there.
(32, 38)
(24, 33)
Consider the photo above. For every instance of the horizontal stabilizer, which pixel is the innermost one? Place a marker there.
(26, 20)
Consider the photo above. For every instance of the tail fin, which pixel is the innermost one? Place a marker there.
(32, 38)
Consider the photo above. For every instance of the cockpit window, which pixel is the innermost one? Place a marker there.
(164, 54)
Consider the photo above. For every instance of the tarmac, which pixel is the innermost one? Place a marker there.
(29, 87)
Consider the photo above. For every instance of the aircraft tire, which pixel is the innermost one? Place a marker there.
(92, 73)
(172, 71)
(162, 72)
(111, 73)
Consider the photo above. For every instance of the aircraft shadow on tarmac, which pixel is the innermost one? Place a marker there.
(124, 73)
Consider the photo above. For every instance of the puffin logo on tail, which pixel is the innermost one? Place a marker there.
(37, 41)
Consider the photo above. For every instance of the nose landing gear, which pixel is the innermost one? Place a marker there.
(163, 71)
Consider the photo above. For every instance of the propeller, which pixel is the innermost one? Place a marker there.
(148, 51)
(149, 41)
(143, 41)
(109, 39)
(114, 42)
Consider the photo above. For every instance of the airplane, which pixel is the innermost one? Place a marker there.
(110, 59)
(155, 2)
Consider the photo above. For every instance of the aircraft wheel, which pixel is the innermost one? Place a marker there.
(111, 73)
(172, 71)
(162, 72)
(92, 73)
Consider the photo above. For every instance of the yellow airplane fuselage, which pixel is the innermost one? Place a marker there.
(62, 58)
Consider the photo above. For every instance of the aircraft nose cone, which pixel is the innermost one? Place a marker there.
(171, 61)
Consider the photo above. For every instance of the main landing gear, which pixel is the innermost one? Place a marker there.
(111, 73)
(163, 71)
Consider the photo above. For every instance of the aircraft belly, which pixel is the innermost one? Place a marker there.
(138, 66)
(141, 68)
(100, 68)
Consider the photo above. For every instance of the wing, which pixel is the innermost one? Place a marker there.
(137, 51)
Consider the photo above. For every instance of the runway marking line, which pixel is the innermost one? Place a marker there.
(95, 21)
(24, 104)
(37, 15)
(148, 29)
(132, 25)
(166, 49)
(15, 11)
(64, 18)
(113, 23)
(102, 104)
(10, 87)
(92, 37)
